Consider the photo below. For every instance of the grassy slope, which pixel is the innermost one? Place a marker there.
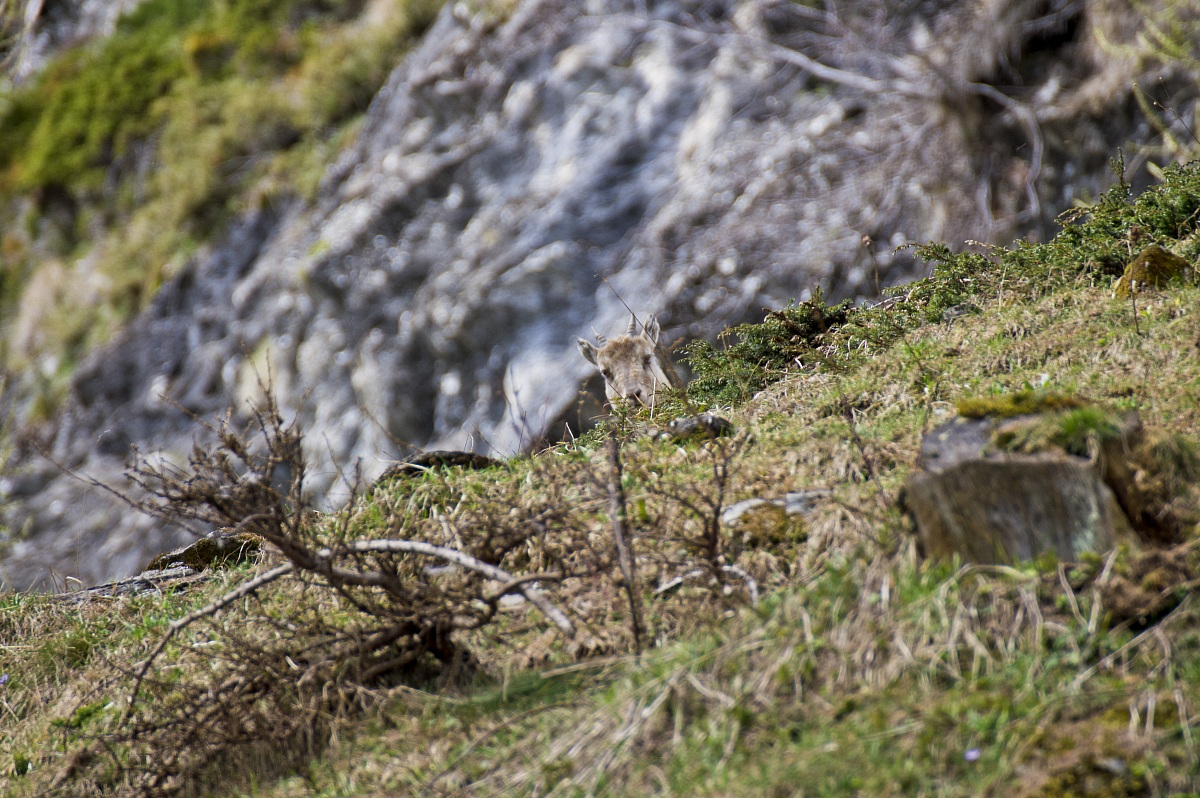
(862, 671)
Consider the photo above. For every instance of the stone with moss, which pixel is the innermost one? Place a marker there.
(1079, 431)
(704, 426)
(1154, 267)
(216, 551)
(1019, 403)
(1023, 475)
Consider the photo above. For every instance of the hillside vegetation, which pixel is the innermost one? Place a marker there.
(815, 653)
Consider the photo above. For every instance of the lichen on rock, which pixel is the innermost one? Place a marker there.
(214, 551)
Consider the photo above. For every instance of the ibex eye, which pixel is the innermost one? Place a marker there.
(606, 373)
(646, 360)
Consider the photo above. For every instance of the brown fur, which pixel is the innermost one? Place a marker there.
(629, 363)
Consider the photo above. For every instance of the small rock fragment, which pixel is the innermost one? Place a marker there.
(966, 308)
(704, 426)
(178, 579)
(214, 551)
(798, 503)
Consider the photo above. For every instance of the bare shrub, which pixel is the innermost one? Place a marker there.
(265, 673)
(425, 578)
(675, 531)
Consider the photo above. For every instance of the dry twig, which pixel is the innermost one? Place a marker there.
(625, 555)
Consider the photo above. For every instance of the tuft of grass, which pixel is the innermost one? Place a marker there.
(1075, 431)
(1077, 428)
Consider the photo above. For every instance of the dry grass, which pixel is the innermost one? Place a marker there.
(851, 667)
(864, 670)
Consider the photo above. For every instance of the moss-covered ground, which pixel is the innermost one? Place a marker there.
(861, 669)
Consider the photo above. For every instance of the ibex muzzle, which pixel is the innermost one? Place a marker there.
(629, 363)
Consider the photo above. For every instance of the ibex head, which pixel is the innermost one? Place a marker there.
(629, 363)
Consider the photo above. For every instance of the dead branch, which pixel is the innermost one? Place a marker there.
(625, 557)
(509, 587)
(242, 590)
(532, 594)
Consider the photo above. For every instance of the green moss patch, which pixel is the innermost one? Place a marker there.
(1020, 403)
(1072, 431)
(1154, 267)
(761, 353)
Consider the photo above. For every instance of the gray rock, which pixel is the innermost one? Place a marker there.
(799, 503)
(48, 26)
(178, 579)
(702, 426)
(972, 499)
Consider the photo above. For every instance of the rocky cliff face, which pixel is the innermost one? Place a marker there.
(44, 27)
(521, 178)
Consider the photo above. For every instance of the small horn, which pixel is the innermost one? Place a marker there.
(650, 328)
(600, 339)
(632, 325)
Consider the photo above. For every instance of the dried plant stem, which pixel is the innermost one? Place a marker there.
(1078, 681)
(242, 590)
(868, 463)
(1133, 287)
(510, 582)
(625, 557)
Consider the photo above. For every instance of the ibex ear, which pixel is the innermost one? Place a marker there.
(588, 351)
(651, 329)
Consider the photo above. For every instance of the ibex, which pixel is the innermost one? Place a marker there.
(630, 363)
